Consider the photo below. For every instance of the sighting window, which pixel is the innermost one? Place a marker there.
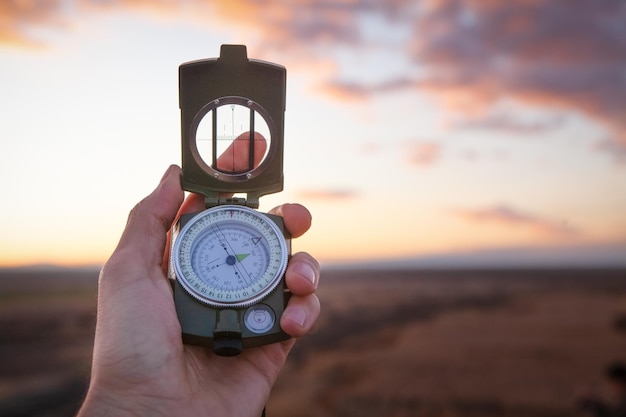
(233, 137)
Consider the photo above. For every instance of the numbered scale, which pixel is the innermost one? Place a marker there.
(227, 263)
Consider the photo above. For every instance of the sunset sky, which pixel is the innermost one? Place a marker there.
(413, 128)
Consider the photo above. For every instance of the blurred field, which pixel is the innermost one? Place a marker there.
(389, 343)
(47, 322)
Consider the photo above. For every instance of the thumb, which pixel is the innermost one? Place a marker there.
(144, 237)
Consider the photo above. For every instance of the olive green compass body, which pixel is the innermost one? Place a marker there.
(227, 262)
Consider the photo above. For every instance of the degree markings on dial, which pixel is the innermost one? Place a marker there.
(239, 242)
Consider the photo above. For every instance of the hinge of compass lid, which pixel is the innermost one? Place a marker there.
(213, 200)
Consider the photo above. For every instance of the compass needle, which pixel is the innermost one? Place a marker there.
(242, 256)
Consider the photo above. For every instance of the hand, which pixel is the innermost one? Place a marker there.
(140, 365)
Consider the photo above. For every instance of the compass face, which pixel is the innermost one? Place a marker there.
(230, 256)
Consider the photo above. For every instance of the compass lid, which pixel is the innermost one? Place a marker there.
(232, 125)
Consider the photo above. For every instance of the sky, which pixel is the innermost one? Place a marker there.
(414, 129)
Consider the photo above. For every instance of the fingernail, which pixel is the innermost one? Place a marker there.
(296, 315)
(306, 271)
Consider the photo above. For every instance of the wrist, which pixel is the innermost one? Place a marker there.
(100, 402)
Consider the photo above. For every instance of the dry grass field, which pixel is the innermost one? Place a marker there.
(389, 343)
(47, 322)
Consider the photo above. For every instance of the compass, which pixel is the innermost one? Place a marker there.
(227, 262)
(230, 257)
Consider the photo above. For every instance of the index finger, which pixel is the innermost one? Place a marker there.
(237, 157)
(297, 218)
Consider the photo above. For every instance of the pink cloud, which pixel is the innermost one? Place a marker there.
(421, 153)
(566, 54)
(17, 16)
(614, 148)
(513, 217)
(507, 122)
(471, 55)
(351, 91)
(327, 194)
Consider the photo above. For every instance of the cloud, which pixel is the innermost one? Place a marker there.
(509, 216)
(470, 54)
(328, 194)
(562, 53)
(616, 149)
(352, 91)
(18, 18)
(301, 21)
(502, 121)
(421, 153)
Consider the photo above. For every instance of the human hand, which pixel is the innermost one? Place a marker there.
(140, 365)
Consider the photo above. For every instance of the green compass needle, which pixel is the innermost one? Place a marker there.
(242, 256)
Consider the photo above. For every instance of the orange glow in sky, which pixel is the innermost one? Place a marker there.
(412, 128)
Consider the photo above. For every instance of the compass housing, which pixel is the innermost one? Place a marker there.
(228, 328)
(210, 314)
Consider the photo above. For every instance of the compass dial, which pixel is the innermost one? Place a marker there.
(230, 256)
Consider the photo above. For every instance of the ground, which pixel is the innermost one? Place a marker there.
(389, 343)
